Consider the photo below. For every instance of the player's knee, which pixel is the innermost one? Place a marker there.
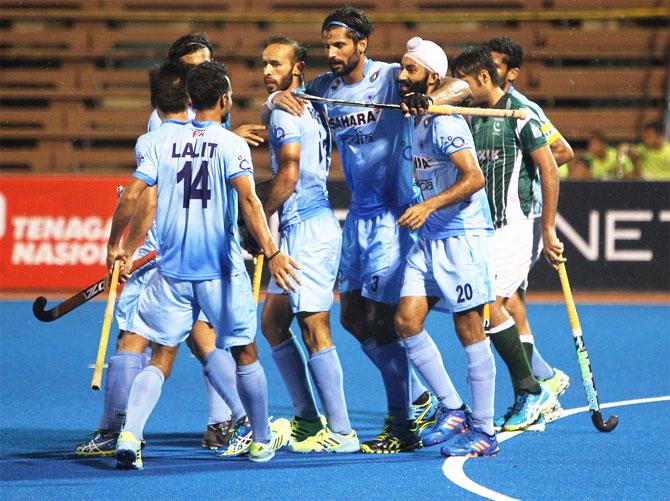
(245, 355)
(405, 324)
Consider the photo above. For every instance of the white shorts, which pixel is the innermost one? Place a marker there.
(458, 270)
(518, 246)
(169, 307)
(373, 257)
(315, 244)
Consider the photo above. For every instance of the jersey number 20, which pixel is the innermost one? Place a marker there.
(191, 190)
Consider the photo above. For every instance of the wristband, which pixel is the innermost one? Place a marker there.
(268, 259)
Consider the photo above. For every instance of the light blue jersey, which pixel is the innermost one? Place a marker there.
(374, 144)
(434, 140)
(310, 195)
(155, 121)
(196, 217)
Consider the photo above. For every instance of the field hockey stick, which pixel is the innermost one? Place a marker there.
(583, 358)
(80, 297)
(442, 109)
(106, 327)
(258, 273)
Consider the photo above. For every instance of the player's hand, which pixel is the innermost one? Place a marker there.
(286, 101)
(415, 103)
(250, 133)
(553, 248)
(282, 267)
(415, 216)
(116, 253)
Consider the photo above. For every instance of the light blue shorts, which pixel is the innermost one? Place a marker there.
(168, 308)
(458, 270)
(315, 244)
(135, 285)
(132, 290)
(373, 256)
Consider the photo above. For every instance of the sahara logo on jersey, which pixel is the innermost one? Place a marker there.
(354, 119)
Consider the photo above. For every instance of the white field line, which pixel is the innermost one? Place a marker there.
(453, 466)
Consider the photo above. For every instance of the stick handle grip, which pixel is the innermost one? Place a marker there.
(569, 301)
(445, 109)
(106, 327)
(258, 273)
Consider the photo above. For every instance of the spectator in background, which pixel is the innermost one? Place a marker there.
(604, 161)
(651, 158)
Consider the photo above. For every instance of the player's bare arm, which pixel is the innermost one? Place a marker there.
(471, 181)
(280, 265)
(544, 160)
(283, 185)
(251, 133)
(142, 220)
(562, 151)
(125, 209)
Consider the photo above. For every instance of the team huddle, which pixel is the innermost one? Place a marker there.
(445, 214)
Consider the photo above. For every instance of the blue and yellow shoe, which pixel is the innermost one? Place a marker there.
(396, 436)
(528, 408)
(448, 423)
(101, 444)
(302, 429)
(472, 443)
(128, 452)
(260, 452)
(424, 410)
(240, 442)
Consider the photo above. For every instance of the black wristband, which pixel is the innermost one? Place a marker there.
(268, 259)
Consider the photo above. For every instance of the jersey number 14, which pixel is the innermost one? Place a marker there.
(191, 190)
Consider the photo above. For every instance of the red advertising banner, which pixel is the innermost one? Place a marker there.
(54, 229)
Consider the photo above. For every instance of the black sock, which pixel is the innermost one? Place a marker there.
(509, 347)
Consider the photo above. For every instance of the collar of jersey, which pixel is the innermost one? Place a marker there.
(174, 121)
(202, 125)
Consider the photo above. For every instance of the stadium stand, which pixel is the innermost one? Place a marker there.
(73, 79)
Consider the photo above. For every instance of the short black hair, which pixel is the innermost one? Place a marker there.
(168, 87)
(471, 61)
(512, 51)
(299, 50)
(187, 45)
(358, 23)
(206, 83)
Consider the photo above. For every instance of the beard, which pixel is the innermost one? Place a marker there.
(418, 87)
(282, 84)
(347, 67)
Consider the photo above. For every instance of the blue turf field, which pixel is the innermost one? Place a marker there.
(46, 408)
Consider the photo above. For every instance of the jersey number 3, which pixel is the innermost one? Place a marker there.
(191, 190)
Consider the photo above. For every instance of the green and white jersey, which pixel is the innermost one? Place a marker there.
(503, 149)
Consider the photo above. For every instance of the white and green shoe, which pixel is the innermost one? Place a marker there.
(128, 452)
(260, 452)
(328, 441)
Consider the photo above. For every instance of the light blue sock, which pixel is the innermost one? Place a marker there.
(123, 368)
(391, 360)
(541, 369)
(221, 371)
(482, 378)
(426, 358)
(144, 395)
(290, 360)
(326, 371)
(253, 389)
(217, 410)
